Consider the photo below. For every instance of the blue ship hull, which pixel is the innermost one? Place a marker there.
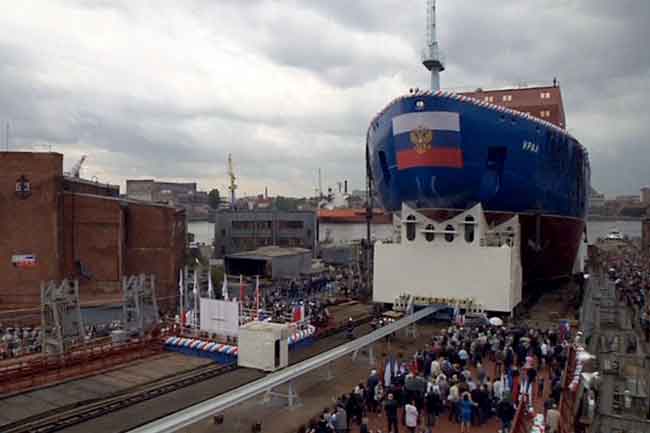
(510, 162)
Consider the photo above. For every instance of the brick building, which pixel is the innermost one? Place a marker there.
(52, 227)
(544, 102)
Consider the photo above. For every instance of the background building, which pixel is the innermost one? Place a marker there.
(237, 231)
(181, 194)
(272, 262)
(53, 227)
(544, 102)
(596, 199)
(645, 195)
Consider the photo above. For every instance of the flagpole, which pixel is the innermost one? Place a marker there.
(183, 286)
(257, 298)
(195, 293)
(210, 286)
(224, 288)
(241, 294)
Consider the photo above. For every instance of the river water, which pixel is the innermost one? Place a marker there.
(204, 231)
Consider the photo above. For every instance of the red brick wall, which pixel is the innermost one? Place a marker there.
(92, 233)
(155, 243)
(28, 226)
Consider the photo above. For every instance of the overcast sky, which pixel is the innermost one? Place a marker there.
(166, 89)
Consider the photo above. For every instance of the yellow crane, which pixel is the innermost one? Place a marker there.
(233, 185)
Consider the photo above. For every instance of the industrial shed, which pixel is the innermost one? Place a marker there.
(271, 261)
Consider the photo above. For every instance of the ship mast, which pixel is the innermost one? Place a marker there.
(431, 55)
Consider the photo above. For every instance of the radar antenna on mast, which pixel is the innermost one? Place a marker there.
(233, 178)
(431, 58)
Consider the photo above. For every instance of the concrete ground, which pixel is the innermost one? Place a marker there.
(317, 393)
(55, 397)
(34, 403)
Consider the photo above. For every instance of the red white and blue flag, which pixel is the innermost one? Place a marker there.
(299, 313)
(428, 139)
(24, 261)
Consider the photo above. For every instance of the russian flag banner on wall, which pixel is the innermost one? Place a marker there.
(428, 139)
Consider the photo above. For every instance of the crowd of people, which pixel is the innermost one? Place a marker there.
(468, 375)
(15, 342)
(19, 341)
(311, 293)
(629, 268)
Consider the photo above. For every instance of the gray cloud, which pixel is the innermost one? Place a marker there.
(289, 86)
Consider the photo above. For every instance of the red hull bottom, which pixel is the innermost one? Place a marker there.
(549, 246)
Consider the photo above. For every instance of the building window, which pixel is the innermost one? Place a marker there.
(291, 225)
(429, 235)
(410, 228)
(545, 113)
(469, 229)
(488, 98)
(450, 233)
(545, 95)
(507, 98)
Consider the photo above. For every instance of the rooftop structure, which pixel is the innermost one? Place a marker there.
(543, 102)
(272, 261)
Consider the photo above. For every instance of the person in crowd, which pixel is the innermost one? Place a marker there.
(433, 402)
(340, 420)
(453, 400)
(390, 408)
(505, 413)
(553, 419)
(411, 416)
(371, 385)
(466, 407)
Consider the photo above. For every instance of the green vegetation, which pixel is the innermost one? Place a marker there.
(214, 198)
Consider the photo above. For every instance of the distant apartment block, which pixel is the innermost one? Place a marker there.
(182, 194)
(237, 231)
(596, 199)
(628, 199)
(645, 195)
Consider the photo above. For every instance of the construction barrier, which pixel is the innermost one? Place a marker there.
(227, 353)
(302, 339)
(220, 353)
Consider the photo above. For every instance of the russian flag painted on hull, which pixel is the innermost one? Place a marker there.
(428, 139)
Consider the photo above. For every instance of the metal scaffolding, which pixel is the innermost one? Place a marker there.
(61, 322)
(140, 308)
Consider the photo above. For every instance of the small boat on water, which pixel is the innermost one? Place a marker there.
(615, 235)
